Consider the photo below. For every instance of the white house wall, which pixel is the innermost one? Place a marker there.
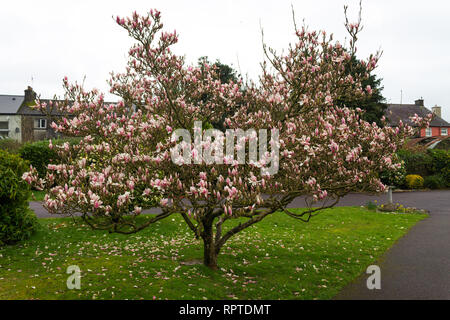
(14, 121)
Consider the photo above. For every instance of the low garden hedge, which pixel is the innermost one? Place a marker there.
(40, 155)
(433, 165)
(17, 220)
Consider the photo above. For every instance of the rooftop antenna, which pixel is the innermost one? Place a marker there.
(239, 65)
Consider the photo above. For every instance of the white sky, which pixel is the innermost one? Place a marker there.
(47, 39)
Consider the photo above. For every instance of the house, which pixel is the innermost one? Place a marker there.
(20, 122)
(35, 125)
(438, 126)
(10, 120)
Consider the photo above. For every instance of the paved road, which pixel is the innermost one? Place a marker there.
(415, 199)
(416, 267)
(41, 212)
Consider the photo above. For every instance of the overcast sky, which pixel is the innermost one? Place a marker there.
(47, 40)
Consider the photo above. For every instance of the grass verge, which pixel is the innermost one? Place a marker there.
(38, 195)
(278, 258)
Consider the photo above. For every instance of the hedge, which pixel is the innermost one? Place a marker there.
(17, 220)
(40, 155)
(10, 145)
(432, 164)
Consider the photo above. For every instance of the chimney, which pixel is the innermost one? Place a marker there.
(419, 102)
(437, 110)
(30, 95)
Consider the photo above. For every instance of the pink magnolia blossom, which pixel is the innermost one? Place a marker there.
(123, 164)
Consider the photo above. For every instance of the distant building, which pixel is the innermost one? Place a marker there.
(10, 120)
(438, 126)
(20, 122)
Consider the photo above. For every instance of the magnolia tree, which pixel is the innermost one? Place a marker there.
(151, 149)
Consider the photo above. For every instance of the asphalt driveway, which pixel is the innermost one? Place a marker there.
(418, 265)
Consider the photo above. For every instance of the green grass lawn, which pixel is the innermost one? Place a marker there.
(279, 258)
(38, 195)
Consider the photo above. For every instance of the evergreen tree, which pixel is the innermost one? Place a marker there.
(373, 105)
(225, 74)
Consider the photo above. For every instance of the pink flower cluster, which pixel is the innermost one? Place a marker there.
(122, 163)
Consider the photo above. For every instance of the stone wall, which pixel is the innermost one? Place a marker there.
(27, 129)
(31, 133)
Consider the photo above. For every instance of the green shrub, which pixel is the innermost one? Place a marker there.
(371, 206)
(446, 176)
(39, 155)
(414, 181)
(10, 145)
(420, 163)
(17, 221)
(444, 145)
(433, 162)
(435, 182)
(441, 164)
(440, 159)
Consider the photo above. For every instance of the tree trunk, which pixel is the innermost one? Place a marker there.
(209, 248)
(209, 255)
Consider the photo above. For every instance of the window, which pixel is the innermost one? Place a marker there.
(428, 132)
(444, 131)
(4, 128)
(40, 123)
